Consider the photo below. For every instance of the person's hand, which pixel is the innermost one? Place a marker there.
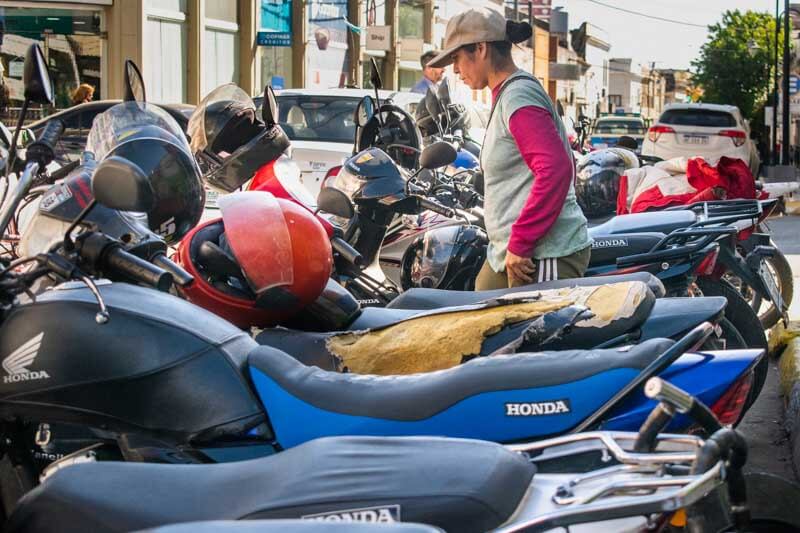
(519, 268)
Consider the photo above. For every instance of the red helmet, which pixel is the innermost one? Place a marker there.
(262, 262)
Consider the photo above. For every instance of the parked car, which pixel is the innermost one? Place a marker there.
(609, 128)
(707, 130)
(321, 127)
(78, 121)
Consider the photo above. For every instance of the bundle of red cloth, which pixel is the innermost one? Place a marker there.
(684, 181)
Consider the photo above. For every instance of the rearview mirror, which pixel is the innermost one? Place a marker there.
(364, 111)
(35, 78)
(134, 84)
(437, 155)
(121, 184)
(269, 107)
(444, 93)
(333, 201)
(375, 75)
(433, 105)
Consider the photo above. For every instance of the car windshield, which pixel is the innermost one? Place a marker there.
(620, 127)
(698, 117)
(317, 118)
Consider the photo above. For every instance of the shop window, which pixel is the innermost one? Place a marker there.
(222, 10)
(70, 39)
(411, 18)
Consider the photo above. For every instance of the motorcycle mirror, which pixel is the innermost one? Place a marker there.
(433, 104)
(437, 155)
(269, 107)
(444, 93)
(120, 184)
(134, 83)
(375, 75)
(364, 111)
(35, 77)
(333, 201)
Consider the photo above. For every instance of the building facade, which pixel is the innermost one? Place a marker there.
(624, 86)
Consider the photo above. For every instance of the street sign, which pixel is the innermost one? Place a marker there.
(794, 84)
(273, 38)
(379, 38)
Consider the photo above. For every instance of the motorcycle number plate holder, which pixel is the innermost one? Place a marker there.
(769, 282)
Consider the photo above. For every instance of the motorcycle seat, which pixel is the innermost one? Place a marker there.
(656, 221)
(607, 248)
(470, 400)
(425, 299)
(454, 484)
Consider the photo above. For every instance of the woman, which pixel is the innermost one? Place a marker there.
(536, 229)
(84, 93)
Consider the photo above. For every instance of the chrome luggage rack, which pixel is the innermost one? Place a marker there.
(638, 485)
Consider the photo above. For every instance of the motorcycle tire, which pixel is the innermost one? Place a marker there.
(780, 266)
(739, 313)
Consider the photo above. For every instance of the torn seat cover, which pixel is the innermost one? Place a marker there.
(443, 339)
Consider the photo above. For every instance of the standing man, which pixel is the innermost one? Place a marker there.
(430, 75)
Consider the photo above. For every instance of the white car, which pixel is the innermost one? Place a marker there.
(320, 124)
(705, 130)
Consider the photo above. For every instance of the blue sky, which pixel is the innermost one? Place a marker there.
(670, 45)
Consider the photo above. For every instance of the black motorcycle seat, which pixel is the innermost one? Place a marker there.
(607, 248)
(420, 396)
(378, 317)
(290, 526)
(425, 299)
(658, 221)
(454, 484)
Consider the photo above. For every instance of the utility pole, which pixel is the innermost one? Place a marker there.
(786, 124)
(775, 158)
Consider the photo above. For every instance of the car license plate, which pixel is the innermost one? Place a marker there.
(695, 139)
(772, 287)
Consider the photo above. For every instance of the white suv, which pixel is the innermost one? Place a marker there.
(705, 130)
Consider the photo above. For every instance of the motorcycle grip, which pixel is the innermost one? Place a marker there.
(43, 149)
(347, 252)
(436, 207)
(128, 265)
(179, 275)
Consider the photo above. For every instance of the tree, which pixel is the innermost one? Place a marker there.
(733, 66)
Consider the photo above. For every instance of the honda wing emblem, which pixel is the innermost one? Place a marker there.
(16, 364)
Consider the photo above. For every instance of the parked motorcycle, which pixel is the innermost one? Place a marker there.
(595, 481)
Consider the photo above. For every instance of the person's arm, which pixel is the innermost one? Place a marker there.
(543, 150)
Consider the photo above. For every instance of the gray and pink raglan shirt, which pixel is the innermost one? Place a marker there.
(529, 177)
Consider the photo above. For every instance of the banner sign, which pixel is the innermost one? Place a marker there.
(275, 23)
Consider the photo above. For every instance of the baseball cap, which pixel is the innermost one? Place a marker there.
(477, 25)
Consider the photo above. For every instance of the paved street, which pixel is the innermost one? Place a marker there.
(763, 424)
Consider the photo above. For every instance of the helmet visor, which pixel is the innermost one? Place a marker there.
(259, 238)
(437, 249)
(132, 120)
(197, 122)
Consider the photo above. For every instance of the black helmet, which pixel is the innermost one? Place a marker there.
(149, 137)
(597, 183)
(230, 141)
(445, 258)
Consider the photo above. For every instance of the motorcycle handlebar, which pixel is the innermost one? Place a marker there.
(347, 252)
(129, 266)
(436, 207)
(63, 172)
(43, 149)
(179, 275)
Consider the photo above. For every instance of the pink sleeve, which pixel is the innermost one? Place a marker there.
(543, 150)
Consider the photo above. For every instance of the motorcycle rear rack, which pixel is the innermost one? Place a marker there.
(663, 493)
(678, 244)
